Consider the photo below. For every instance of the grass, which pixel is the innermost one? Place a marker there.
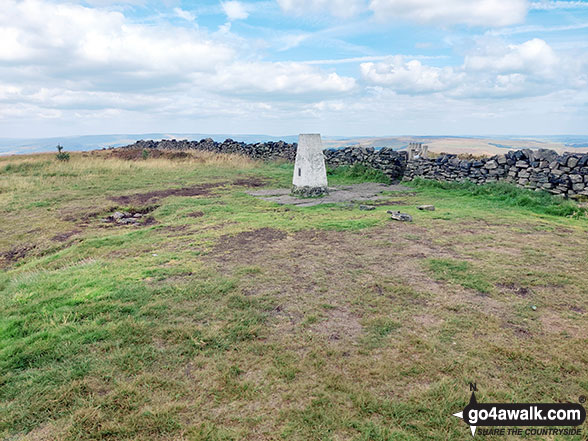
(256, 321)
(506, 194)
(460, 272)
(356, 173)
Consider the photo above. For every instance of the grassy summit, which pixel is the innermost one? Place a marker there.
(219, 316)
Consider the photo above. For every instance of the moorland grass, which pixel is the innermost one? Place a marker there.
(257, 321)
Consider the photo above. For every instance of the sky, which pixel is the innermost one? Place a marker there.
(282, 67)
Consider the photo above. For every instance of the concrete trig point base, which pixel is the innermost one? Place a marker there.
(310, 174)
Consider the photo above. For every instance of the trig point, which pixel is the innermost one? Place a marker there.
(310, 174)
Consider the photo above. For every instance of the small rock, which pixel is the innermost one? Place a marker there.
(154, 255)
(137, 215)
(426, 207)
(118, 215)
(397, 215)
(534, 308)
(367, 207)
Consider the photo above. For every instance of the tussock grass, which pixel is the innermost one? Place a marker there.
(81, 163)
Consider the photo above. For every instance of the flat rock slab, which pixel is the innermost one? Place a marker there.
(368, 191)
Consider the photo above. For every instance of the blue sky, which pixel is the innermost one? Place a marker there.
(338, 67)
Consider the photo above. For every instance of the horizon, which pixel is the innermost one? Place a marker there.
(355, 68)
(446, 143)
(504, 136)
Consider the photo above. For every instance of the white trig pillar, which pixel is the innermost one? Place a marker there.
(310, 174)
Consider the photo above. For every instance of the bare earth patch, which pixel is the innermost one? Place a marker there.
(206, 189)
(247, 241)
(153, 196)
(339, 324)
(196, 214)
(62, 237)
(250, 181)
(16, 253)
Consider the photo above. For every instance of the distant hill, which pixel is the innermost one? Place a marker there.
(12, 146)
(448, 144)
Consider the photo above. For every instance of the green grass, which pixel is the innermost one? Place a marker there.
(505, 194)
(258, 321)
(459, 272)
(354, 174)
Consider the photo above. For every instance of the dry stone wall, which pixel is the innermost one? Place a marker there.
(263, 150)
(542, 169)
(391, 162)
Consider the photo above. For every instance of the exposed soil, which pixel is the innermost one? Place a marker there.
(16, 253)
(74, 216)
(64, 236)
(196, 214)
(339, 324)
(251, 241)
(251, 181)
(197, 190)
(515, 289)
(153, 196)
(427, 320)
(518, 330)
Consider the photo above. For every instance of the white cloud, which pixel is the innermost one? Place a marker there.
(487, 13)
(235, 10)
(67, 60)
(186, 15)
(534, 56)
(338, 8)
(65, 67)
(283, 78)
(493, 69)
(409, 76)
(78, 40)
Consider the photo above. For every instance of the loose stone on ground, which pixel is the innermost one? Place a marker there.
(397, 215)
